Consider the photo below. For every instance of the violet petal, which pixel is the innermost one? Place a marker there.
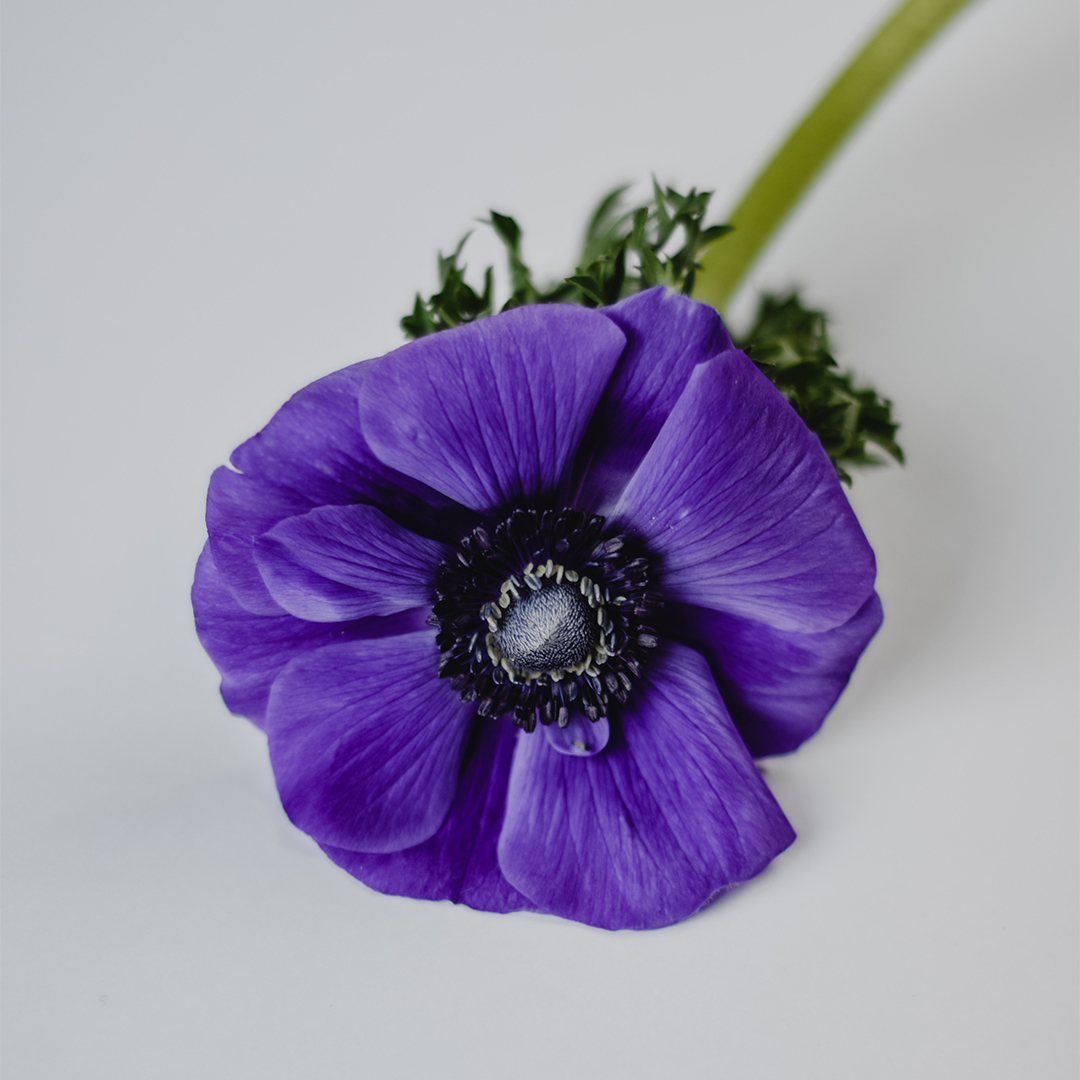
(366, 741)
(642, 835)
(346, 562)
(667, 335)
(778, 685)
(744, 508)
(251, 650)
(312, 453)
(491, 413)
(238, 509)
(313, 444)
(459, 862)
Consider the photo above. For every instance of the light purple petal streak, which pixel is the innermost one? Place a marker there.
(346, 562)
(459, 862)
(778, 685)
(365, 742)
(491, 413)
(744, 508)
(644, 834)
(667, 336)
(251, 650)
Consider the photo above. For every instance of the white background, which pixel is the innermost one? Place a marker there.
(211, 202)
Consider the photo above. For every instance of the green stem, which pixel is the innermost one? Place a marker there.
(793, 167)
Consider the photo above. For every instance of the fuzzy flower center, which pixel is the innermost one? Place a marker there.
(544, 616)
(550, 627)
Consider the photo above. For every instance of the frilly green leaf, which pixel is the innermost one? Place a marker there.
(789, 343)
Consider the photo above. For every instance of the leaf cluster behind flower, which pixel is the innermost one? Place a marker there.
(626, 251)
(647, 232)
(789, 344)
(604, 273)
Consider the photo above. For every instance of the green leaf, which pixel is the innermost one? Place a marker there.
(455, 303)
(789, 344)
(590, 287)
(508, 230)
(604, 274)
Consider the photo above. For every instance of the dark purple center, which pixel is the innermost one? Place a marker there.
(545, 615)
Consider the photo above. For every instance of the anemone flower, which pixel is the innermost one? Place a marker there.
(518, 604)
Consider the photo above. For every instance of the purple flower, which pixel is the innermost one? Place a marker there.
(518, 604)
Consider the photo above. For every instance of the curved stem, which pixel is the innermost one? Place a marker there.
(793, 167)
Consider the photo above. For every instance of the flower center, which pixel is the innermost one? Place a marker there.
(544, 616)
(550, 628)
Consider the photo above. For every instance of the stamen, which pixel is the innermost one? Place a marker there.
(543, 615)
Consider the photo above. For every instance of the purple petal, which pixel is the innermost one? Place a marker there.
(778, 685)
(667, 335)
(742, 504)
(251, 650)
(645, 833)
(366, 741)
(580, 738)
(314, 446)
(313, 443)
(459, 862)
(492, 412)
(238, 509)
(346, 562)
(311, 453)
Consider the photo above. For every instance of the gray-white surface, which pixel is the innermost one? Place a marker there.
(210, 203)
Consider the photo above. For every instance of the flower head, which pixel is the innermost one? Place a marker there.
(518, 604)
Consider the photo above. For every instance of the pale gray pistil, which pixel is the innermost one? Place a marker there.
(549, 629)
